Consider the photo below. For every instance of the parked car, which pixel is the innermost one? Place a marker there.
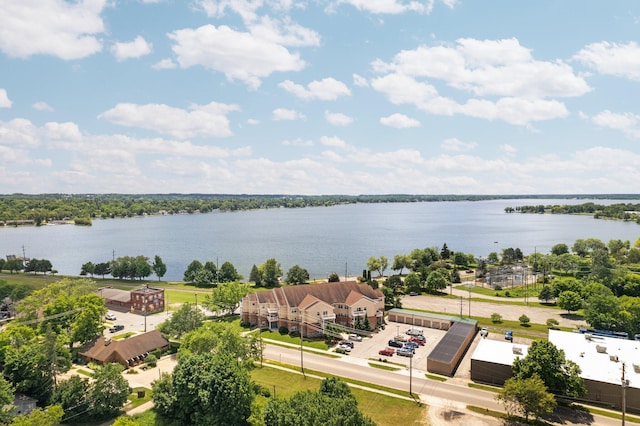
(400, 338)
(420, 342)
(396, 343)
(355, 337)
(404, 352)
(484, 332)
(413, 293)
(346, 342)
(508, 335)
(116, 328)
(414, 331)
(345, 348)
(412, 344)
(420, 338)
(110, 317)
(386, 352)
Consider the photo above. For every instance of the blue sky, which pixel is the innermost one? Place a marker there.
(319, 97)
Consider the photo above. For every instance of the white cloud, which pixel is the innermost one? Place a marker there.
(391, 7)
(19, 132)
(327, 89)
(298, 142)
(5, 102)
(628, 123)
(253, 121)
(337, 119)
(399, 121)
(67, 30)
(360, 81)
(284, 32)
(622, 60)
(280, 114)
(199, 120)
(239, 55)
(136, 48)
(164, 64)
(488, 68)
(42, 106)
(333, 141)
(508, 150)
(455, 144)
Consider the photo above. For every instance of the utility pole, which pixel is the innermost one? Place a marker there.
(301, 350)
(624, 395)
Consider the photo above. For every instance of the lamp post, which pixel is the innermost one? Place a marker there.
(144, 313)
(624, 394)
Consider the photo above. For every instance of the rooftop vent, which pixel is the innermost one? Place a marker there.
(517, 350)
(601, 349)
(613, 358)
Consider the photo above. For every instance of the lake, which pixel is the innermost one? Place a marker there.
(320, 239)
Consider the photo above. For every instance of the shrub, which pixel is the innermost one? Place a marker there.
(283, 330)
(497, 287)
(151, 360)
(552, 323)
(507, 294)
(524, 320)
(496, 317)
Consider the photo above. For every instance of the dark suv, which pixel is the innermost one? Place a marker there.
(116, 328)
(396, 343)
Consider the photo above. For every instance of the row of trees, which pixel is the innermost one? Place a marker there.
(208, 274)
(127, 267)
(31, 265)
(620, 211)
(46, 207)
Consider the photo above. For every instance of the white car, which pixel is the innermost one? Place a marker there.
(484, 332)
(344, 347)
(110, 317)
(355, 337)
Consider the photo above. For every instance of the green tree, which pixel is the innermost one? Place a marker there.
(524, 320)
(6, 400)
(208, 389)
(412, 282)
(73, 396)
(185, 319)
(103, 269)
(570, 301)
(445, 252)
(400, 262)
(333, 278)
(204, 278)
(190, 273)
(125, 421)
(545, 294)
(49, 416)
(228, 273)
(226, 296)
(297, 275)
(527, 397)
(436, 280)
(255, 276)
(560, 249)
(159, 267)
(109, 391)
(88, 268)
(271, 272)
(333, 404)
(87, 323)
(379, 264)
(544, 359)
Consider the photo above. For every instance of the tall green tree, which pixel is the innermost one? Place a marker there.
(400, 262)
(271, 271)
(228, 273)
(255, 276)
(570, 301)
(544, 359)
(109, 391)
(333, 404)
(185, 319)
(226, 297)
(207, 389)
(49, 416)
(192, 269)
(436, 280)
(159, 267)
(527, 397)
(6, 400)
(378, 264)
(297, 275)
(73, 396)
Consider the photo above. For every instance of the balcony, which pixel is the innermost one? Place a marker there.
(329, 317)
(360, 314)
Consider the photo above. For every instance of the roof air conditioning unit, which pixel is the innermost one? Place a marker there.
(613, 358)
(517, 350)
(107, 341)
(601, 349)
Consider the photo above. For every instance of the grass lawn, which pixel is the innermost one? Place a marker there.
(384, 410)
(134, 401)
(274, 335)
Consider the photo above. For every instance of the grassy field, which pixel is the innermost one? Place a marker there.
(384, 410)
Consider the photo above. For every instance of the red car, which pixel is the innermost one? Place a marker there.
(418, 341)
(386, 352)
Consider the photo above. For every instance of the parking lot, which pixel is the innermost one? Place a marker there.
(369, 346)
(133, 322)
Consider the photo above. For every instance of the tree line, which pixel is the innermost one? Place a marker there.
(619, 211)
(43, 208)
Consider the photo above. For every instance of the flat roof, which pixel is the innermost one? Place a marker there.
(448, 346)
(451, 318)
(498, 351)
(600, 366)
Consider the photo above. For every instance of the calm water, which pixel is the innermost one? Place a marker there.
(321, 239)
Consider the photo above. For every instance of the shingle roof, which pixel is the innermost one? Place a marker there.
(127, 348)
(330, 293)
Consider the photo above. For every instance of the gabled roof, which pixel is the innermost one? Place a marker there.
(330, 293)
(126, 349)
(308, 302)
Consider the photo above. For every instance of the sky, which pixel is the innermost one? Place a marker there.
(320, 97)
